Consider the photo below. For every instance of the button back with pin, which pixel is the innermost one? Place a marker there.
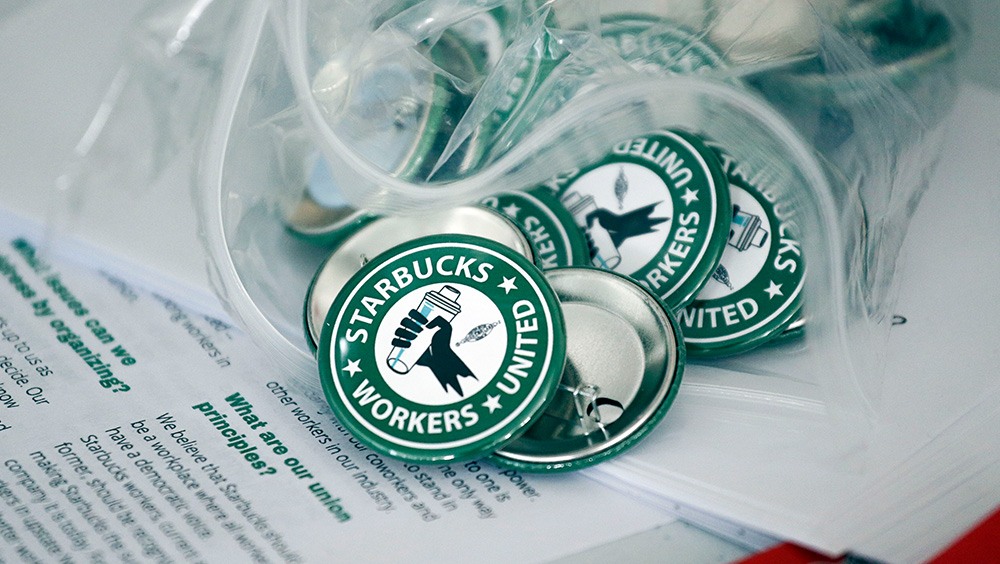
(624, 361)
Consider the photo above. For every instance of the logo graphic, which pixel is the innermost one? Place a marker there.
(445, 345)
(655, 209)
(416, 342)
(747, 231)
(607, 231)
(423, 338)
(721, 275)
(621, 187)
(478, 333)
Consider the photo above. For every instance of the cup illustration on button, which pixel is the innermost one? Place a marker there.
(423, 338)
(746, 231)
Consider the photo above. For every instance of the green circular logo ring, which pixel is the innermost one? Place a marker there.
(552, 231)
(443, 348)
(756, 290)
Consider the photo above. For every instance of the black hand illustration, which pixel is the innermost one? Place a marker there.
(442, 360)
(591, 245)
(408, 329)
(630, 224)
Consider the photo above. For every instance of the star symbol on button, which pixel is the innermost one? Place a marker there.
(492, 403)
(353, 366)
(690, 196)
(512, 210)
(774, 290)
(507, 285)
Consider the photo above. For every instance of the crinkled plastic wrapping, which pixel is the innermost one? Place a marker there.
(155, 110)
(834, 106)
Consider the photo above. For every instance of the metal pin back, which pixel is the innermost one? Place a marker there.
(624, 362)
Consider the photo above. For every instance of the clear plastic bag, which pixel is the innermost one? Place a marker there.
(843, 133)
(159, 101)
(834, 106)
(142, 143)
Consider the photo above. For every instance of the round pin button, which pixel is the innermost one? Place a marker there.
(503, 83)
(461, 64)
(361, 242)
(755, 292)
(911, 50)
(655, 209)
(389, 111)
(794, 332)
(505, 120)
(322, 214)
(903, 50)
(624, 363)
(552, 231)
(654, 45)
(442, 348)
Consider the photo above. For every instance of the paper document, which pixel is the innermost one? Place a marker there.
(928, 468)
(136, 429)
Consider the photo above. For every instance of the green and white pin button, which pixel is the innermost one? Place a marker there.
(655, 46)
(358, 242)
(656, 209)
(462, 65)
(443, 348)
(755, 293)
(551, 229)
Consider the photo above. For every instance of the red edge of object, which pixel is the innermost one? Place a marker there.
(787, 553)
(980, 544)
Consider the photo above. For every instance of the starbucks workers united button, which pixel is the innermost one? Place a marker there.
(443, 348)
(551, 229)
(756, 291)
(655, 208)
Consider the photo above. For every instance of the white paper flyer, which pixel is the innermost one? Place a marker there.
(135, 429)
